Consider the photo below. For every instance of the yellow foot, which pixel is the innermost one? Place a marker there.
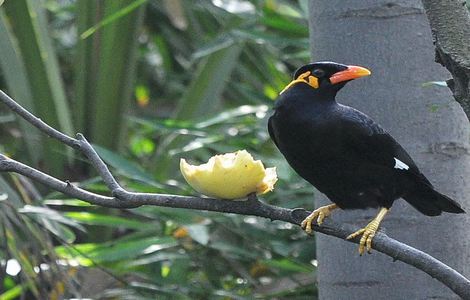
(368, 232)
(319, 214)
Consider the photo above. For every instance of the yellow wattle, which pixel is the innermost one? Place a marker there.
(312, 81)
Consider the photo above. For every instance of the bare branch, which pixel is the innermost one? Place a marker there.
(11, 165)
(37, 122)
(98, 163)
(251, 206)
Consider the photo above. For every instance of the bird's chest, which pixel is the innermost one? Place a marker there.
(308, 138)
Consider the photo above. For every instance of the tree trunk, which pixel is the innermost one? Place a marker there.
(450, 25)
(393, 39)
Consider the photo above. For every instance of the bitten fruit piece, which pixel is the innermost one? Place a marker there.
(230, 176)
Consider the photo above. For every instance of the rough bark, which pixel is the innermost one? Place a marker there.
(450, 25)
(393, 39)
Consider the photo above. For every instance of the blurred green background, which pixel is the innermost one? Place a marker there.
(148, 82)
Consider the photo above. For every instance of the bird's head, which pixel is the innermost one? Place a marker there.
(326, 75)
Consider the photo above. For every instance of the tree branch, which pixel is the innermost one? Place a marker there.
(251, 206)
(450, 25)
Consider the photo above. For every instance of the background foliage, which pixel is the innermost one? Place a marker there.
(148, 82)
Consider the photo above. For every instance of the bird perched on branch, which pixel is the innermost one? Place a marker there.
(344, 153)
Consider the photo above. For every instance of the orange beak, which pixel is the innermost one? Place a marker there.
(352, 72)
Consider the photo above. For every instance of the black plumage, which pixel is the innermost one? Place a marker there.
(342, 151)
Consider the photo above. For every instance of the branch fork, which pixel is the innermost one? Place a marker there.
(121, 198)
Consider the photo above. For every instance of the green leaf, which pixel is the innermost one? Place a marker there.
(105, 220)
(203, 94)
(124, 166)
(118, 250)
(214, 46)
(198, 143)
(182, 216)
(13, 197)
(286, 25)
(288, 265)
(167, 123)
(232, 250)
(15, 292)
(105, 68)
(18, 85)
(113, 17)
(156, 257)
(29, 25)
(66, 202)
(44, 213)
(284, 10)
(199, 233)
(230, 115)
(59, 230)
(259, 36)
(142, 146)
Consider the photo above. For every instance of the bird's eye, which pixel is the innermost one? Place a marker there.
(318, 73)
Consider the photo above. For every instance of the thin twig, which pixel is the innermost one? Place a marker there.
(11, 165)
(37, 122)
(252, 206)
(98, 163)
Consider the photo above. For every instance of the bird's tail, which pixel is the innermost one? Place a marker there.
(430, 202)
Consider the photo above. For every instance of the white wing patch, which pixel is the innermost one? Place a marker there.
(400, 165)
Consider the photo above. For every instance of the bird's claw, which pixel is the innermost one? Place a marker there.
(319, 215)
(368, 234)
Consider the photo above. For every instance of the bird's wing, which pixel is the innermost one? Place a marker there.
(271, 131)
(367, 140)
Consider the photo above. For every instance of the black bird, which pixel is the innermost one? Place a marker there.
(344, 153)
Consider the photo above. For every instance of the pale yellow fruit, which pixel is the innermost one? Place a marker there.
(230, 176)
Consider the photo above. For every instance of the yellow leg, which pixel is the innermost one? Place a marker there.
(320, 214)
(369, 231)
